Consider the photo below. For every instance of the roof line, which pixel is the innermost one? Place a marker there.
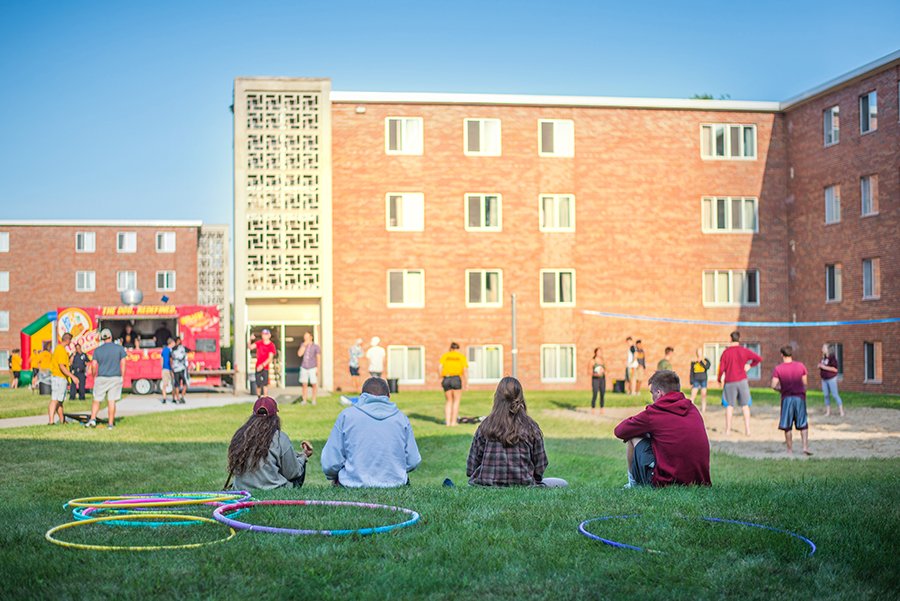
(867, 69)
(99, 223)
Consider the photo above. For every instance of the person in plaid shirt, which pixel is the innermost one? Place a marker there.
(508, 448)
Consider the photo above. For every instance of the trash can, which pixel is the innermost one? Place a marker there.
(252, 385)
(44, 388)
(393, 385)
(619, 386)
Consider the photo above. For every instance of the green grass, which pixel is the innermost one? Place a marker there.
(471, 542)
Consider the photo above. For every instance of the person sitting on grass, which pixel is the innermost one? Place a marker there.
(508, 447)
(371, 443)
(261, 455)
(666, 442)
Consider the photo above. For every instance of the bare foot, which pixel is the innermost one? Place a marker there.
(828, 413)
(842, 412)
(747, 433)
(807, 452)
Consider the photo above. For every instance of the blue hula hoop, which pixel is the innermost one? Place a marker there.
(88, 513)
(620, 545)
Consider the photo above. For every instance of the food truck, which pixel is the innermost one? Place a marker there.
(197, 325)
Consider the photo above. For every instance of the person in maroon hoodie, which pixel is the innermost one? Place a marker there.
(666, 442)
(733, 366)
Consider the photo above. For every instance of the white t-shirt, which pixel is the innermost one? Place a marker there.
(375, 355)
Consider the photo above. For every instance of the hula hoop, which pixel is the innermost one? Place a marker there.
(621, 545)
(49, 534)
(219, 515)
(158, 500)
(86, 513)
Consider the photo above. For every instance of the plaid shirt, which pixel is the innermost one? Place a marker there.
(492, 464)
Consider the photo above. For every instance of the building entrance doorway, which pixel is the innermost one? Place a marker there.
(287, 337)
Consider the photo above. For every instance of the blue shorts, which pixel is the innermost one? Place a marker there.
(354, 371)
(793, 413)
(699, 383)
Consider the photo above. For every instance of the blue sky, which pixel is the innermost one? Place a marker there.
(116, 110)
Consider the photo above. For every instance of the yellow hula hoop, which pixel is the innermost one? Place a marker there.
(101, 502)
(165, 516)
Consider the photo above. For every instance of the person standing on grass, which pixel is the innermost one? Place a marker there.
(261, 455)
(15, 367)
(108, 367)
(167, 380)
(179, 362)
(375, 355)
(598, 379)
(44, 361)
(310, 357)
(665, 364)
(828, 372)
(631, 366)
(452, 371)
(356, 353)
(265, 354)
(666, 443)
(641, 359)
(78, 366)
(371, 443)
(59, 372)
(508, 446)
(790, 379)
(700, 379)
(733, 366)
(36, 359)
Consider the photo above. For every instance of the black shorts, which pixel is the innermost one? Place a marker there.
(262, 378)
(451, 383)
(180, 378)
(354, 371)
(644, 463)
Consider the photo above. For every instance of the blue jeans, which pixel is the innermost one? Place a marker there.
(829, 388)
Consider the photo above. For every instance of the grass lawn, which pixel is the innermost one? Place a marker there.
(490, 543)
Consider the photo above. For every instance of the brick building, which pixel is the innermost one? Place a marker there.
(415, 217)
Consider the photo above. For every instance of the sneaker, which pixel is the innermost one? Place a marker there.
(110, 426)
(91, 424)
(163, 401)
(181, 402)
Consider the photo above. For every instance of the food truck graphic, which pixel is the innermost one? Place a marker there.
(197, 325)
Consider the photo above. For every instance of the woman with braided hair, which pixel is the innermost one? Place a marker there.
(508, 448)
(261, 456)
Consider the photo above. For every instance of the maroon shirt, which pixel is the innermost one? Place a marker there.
(830, 361)
(732, 363)
(677, 436)
(791, 377)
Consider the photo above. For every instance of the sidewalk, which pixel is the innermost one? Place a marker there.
(138, 405)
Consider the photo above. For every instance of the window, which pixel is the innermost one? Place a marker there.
(730, 287)
(730, 214)
(403, 135)
(872, 360)
(165, 281)
(832, 120)
(713, 351)
(85, 281)
(484, 288)
(406, 288)
(727, 141)
(85, 242)
(832, 204)
(871, 276)
(205, 345)
(557, 363)
(484, 213)
(557, 213)
(405, 212)
(558, 288)
(165, 242)
(4, 321)
(556, 138)
(126, 280)
(833, 293)
(838, 350)
(485, 363)
(4, 360)
(126, 242)
(407, 364)
(4, 281)
(868, 194)
(4, 242)
(868, 112)
(482, 137)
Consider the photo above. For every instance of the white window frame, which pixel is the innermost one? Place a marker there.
(406, 197)
(713, 352)
(831, 134)
(4, 359)
(834, 202)
(90, 281)
(415, 148)
(81, 242)
(727, 156)
(838, 282)
(476, 373)
(4, 242)
(4, 281)
(403, 378)
(161, 246)
(483, 211)
(557, 378)
(126, 236)
(877, 349)
(874, 269)
(484, 273)
(869, 96)
(166, 288)
(495, 150)
(556, 283)
(556, 198)
(713, 214)
(557, 125)
(4, 321)
(404, 303)
(868, 187)
(731, 273)
(119, 275)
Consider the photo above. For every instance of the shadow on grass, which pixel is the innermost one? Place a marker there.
(565, 405)
(425, 418)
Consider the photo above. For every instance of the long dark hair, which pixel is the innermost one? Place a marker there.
(509, 422)
(250, 444)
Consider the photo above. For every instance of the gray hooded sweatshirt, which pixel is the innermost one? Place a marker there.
(281, 467)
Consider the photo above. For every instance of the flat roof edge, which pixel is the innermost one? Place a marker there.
(97, 223)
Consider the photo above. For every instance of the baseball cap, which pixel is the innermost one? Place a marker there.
(265, 405)
(105, 334)
(266, 331)
(375, 341)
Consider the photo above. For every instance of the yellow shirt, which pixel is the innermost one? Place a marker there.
(44, 360)
(15, 362)
(60, 357)
(453, 363)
